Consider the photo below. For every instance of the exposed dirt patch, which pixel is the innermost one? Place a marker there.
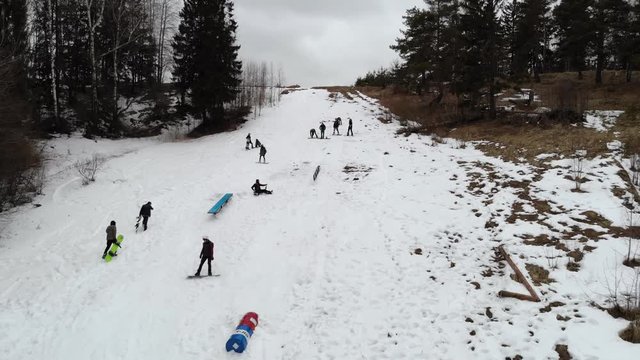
(552, 305)
(563, 352)
(538, 274)
(631, 333)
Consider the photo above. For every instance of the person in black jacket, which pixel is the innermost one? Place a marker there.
(145, 213)
(257, 188)
(263, 152)
(323, 127)
(206, 254)
(336, 124)
(111, 238)
(350, 129)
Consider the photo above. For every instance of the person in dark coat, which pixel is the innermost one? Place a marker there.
(145, 213)
(258, 188)
(323, 127)
(263, 152)
(350, 128)
(336, 123)
(206, 254)
(111, 238)
(249, 144)
(313, 134)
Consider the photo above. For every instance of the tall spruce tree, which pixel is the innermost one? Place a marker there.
(206, 56)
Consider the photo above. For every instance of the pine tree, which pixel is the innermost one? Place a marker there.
(572, 20)
(429, 45)
(532, 35)
(607, 20)
(206, 53)
(480, 29)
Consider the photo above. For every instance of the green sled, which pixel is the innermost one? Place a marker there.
(114, 248)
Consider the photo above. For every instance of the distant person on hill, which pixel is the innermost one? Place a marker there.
(206, 254)
(258, 188)
(313, 134)
(323, 127)
(263, 152)
(249, 144)
(350, 128)
(111, 238)
(145, 213)
(336, 123)
(258, 143)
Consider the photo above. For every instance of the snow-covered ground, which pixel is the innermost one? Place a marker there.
(388, 255)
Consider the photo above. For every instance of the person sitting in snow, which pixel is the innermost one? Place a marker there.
(313, 134)
(323, 127)
(111, 238)
(206, 254)
(249, 144)
(145, 213)
(258, 188)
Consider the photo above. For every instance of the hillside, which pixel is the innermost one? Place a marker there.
(390, 254)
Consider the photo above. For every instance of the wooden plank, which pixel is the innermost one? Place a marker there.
(519, 276)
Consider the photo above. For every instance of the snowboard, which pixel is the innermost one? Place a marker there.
(114, 248)
(267, 193)
(201, 276)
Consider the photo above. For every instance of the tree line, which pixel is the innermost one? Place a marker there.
(69, 65)
(469, 47)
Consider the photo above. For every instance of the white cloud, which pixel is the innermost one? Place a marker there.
(328, 42)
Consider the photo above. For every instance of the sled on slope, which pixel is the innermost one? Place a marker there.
(113, 251)
(222, 202)
(201, 276)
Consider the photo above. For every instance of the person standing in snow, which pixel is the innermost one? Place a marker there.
(336, 123)
(249, 144)
(111, 238)
(322, 129)
(350, 128)
(145, 213)
(206, 254)
(263, 152)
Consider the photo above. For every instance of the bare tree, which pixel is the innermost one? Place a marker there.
(125, 26)
(95, 12)
(51, 41)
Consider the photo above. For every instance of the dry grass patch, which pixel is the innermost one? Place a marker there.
(526, 141)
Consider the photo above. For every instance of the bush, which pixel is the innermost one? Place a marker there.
(88, 168)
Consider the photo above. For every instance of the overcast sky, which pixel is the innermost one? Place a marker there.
(321, 42)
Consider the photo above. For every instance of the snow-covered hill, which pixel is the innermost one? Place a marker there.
(385, 256)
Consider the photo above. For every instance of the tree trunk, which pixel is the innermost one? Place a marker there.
(92, 57)
(629, 71)
(52, 54)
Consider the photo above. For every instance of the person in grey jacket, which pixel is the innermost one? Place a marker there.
(111, 237)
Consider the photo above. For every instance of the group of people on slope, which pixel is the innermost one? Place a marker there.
(206, 254)
(145, 214)
(258, 144)
(336, 129)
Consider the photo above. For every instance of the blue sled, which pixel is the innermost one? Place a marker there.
(218, 206)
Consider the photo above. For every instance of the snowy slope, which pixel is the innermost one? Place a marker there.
(330, 266)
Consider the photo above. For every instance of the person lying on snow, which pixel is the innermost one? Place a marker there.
(258, 188)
